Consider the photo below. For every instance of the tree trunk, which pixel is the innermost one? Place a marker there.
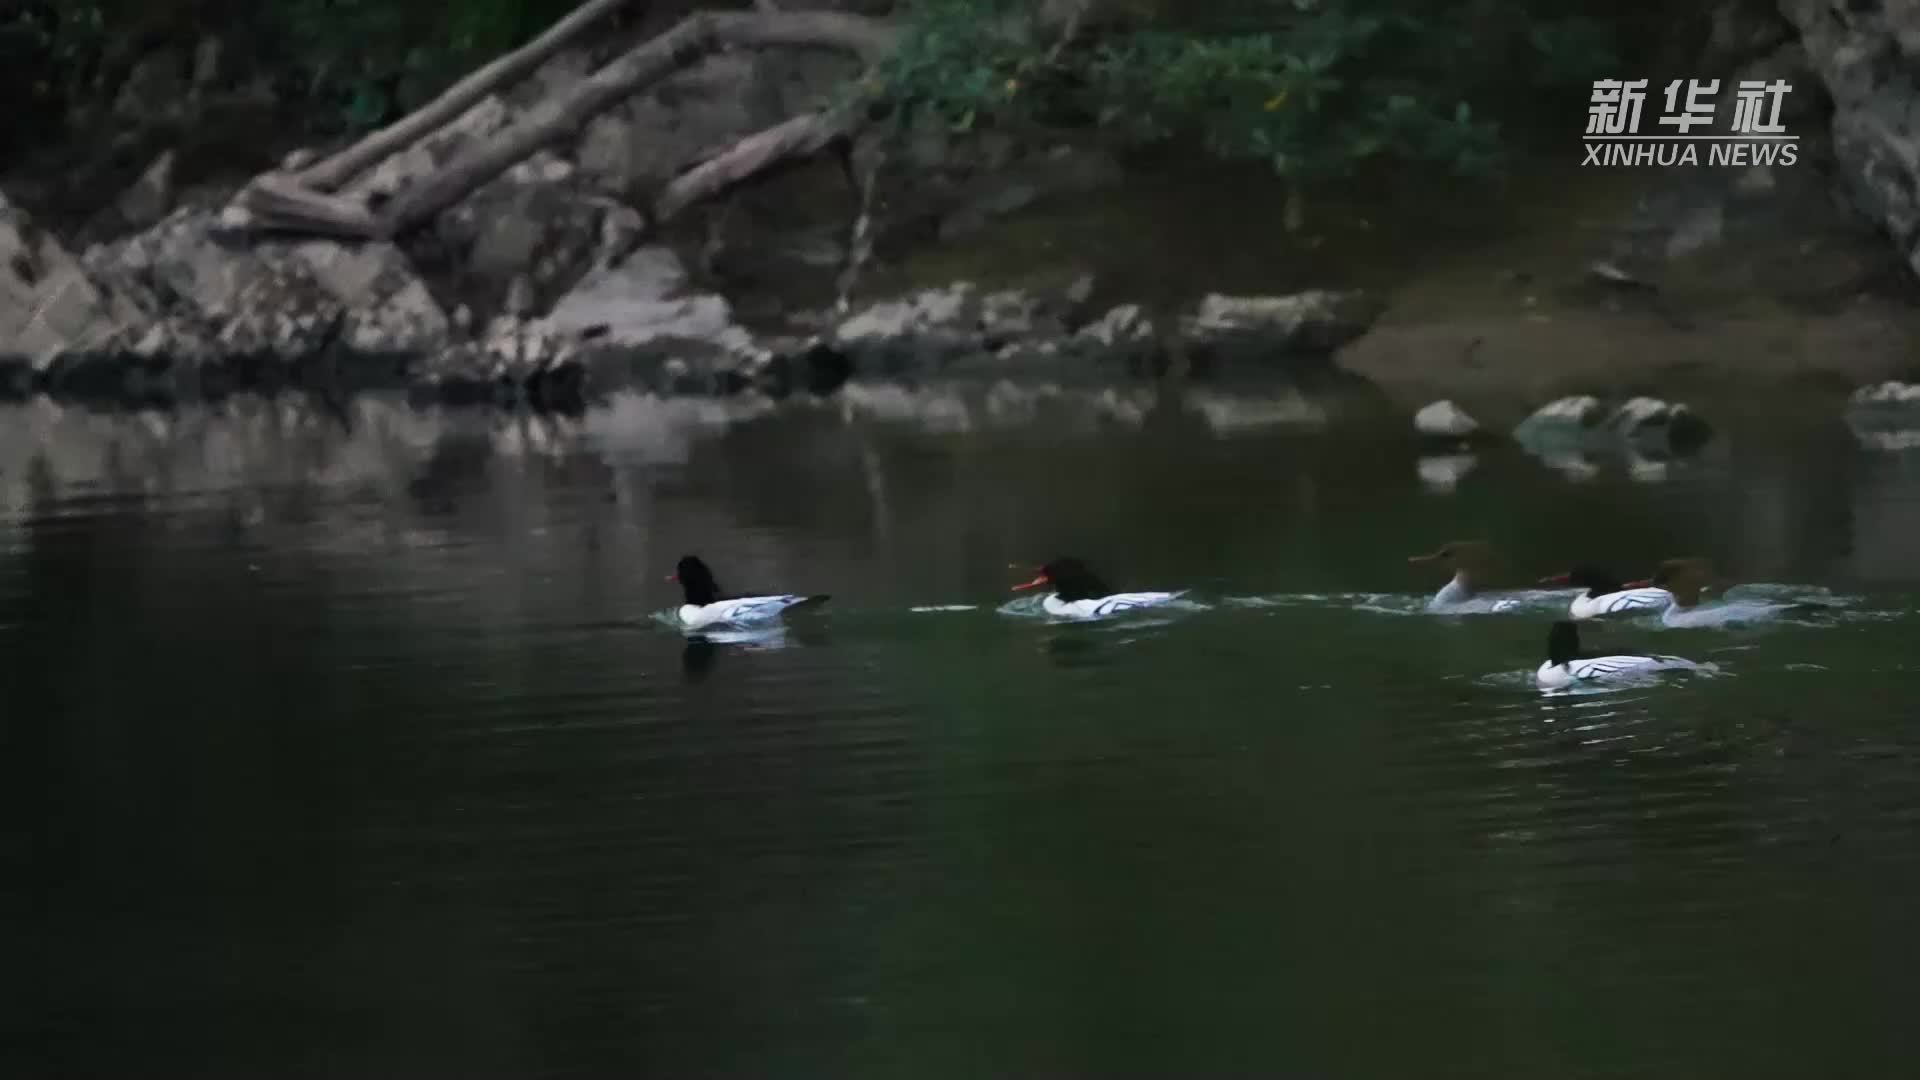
(802, 136)
(335, 172)
(691, 39)
(292, 202)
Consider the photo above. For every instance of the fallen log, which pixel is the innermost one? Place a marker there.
(801, 137)
(335, 172)
(280, 202)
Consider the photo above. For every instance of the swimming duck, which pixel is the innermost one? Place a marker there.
(1469, 560)
(1078, 593)
(707, 605)
(1566, 666)
(1686, 578)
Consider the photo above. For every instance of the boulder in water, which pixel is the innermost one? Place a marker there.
(1893, 393)
(919, 332)
(1644, 418)
(1443, 425)
(1583, 422)
(1266, 330)
(1445, 420)
(1886, 415)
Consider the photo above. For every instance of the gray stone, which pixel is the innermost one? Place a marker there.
(634, 148)
(1444, 419)
(1314, 323)
(49, 306)
(639, 324)
(1013, 314)
(387, 307)
(1563, 422)
(1123, 338)
(918, 332)
(1886, 416)
(1865, 56)
(149, 198)
(1889, 393)
(1576, 424)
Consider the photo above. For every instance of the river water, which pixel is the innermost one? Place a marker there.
(343, 743)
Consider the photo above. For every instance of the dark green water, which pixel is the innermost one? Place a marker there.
(344, 746)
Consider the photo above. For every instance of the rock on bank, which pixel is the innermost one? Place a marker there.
(195, 307)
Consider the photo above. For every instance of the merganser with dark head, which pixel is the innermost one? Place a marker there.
(1567, 666)
(1080, 594)
(1468, 559)
(1686, 578)
(1602, 594)
(708, 605)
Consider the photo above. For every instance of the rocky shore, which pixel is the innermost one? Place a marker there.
(191, 309)
(549, 287)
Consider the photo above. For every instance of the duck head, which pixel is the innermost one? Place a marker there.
(695, 580)
(1070, 578)
(1685, 578)
(1563, 643)
(1461, 556)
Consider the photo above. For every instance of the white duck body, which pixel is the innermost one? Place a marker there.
(707, 605)
(1648, 598)
(1552, 676)
(1733, 611)
(1565, 666)
(1457, 596)
(740, 611)
(1686, 579)
(1103, 606)
(1076, 592)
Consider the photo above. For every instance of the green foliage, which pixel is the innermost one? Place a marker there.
(1314, 88)
(366, 57)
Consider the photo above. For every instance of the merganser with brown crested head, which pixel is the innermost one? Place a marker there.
(1078, 593)
(1468, 559)
(1686, 578)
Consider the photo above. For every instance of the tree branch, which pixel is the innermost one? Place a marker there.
(802, 136)
(691, 39)
(334, 173)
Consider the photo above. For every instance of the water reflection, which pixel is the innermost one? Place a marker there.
(696, 660)
(387, 477)
(1442, 473)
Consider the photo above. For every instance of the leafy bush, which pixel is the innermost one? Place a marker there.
(1314, 88)
(368, 57)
